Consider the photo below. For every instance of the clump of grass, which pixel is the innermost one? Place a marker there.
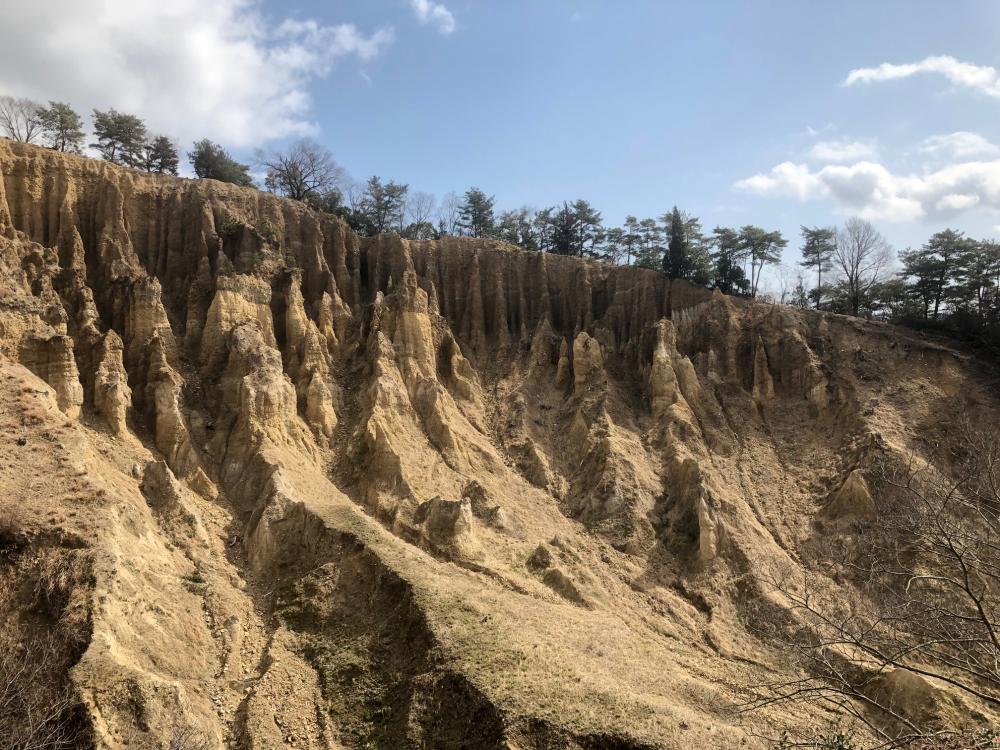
(268, 230)
(230, 226)
(58, 576)
(195, 582)
(253, 258)
(11, 536)
(32, 412)
(185, 738)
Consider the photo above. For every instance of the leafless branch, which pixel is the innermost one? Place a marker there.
(927, 576)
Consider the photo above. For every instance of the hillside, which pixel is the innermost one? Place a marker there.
(271, 484)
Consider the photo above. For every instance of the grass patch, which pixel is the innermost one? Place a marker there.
(230, 226)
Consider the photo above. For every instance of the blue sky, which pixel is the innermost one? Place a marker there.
(735, 111)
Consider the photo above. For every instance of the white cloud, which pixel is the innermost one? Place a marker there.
(436, 13)
(870, 190)
(191, 69)
(955, 202)
(983, 78)
(960, 145)
(843, 150)
(811, 131)
(786, 179)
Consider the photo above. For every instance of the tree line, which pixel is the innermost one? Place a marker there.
(951, 283)
(118, 137)
(731, 259)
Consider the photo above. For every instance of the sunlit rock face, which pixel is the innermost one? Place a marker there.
(325, 491)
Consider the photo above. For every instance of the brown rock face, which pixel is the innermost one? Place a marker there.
(112, 396)
(52, 360)
(413, 494)
(447, 527)
(162, 403)
(853, 498)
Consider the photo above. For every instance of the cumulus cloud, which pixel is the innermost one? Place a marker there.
(842, 150)
(191, 69)
(982, 78)
(872, 191)
(434, 13)
(960, 145)
(787, 179)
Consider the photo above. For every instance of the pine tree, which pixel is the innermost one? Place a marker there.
(700, 267)
(614, 245)
(62, 127)
(817, 250)
(476, 213)
(542, 225)
(938, 267)
(923, 268)
(589, 230)
(384, 204)
(518, 228)
(564, 232)
(650, 253)
(687, 255)
(160, 155)
(761, 247)
(121, 138)
(729, 256)
(632, 239)
(677, 259)
(212, 162)
(981, 288)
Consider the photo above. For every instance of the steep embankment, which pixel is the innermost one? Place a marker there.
(295, 487)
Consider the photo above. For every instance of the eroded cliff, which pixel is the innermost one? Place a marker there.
(293, 487)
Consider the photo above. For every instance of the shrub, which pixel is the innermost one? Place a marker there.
(230, 226)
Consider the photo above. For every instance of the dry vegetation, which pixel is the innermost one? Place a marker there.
(42, 635)
(928, 611)
(35, 712)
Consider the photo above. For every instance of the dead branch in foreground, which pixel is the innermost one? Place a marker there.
(927, 572)
(33, 714)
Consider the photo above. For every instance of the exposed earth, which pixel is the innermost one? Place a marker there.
(265, 483)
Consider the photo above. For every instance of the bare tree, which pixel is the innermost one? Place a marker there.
(927, 571)
(783, 284)
(19, 119)
(448, 214)
(354, 194)
(420, 207)
(861, 256)
(305, 171)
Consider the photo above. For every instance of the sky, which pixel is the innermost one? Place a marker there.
(777, 113)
